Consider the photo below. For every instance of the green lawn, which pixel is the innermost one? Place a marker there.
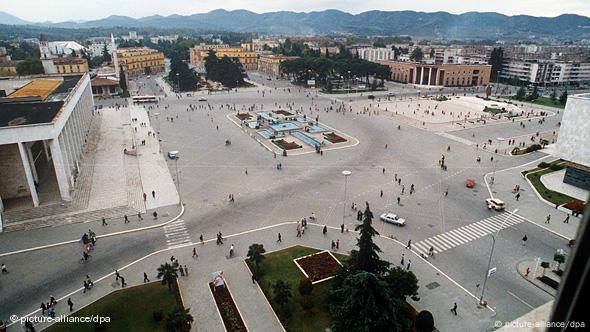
(280, 265)
(544, 101)
(129, 310)
(534, 175)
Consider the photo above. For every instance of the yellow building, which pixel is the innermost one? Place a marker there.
(271, 64)
(439, 74)
(7, 67)
(140, 60)
(248, 59)
(70, 65)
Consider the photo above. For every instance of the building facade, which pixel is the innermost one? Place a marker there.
(376, 54)
(43, 129)
(271, 64)
(140, 60)
(7, 67)
(248, 59)
(195, 55)
(439, 74)
(546, 71)
(69, 65)
(105, 87)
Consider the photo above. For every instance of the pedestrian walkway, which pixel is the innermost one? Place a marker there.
(468, 233)
(177, 234)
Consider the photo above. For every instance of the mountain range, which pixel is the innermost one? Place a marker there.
(444, 25)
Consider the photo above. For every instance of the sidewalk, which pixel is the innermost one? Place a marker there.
(437, 292)
(532, 277)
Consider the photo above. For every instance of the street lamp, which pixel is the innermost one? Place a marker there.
(178, 81)
(178, 179)
(497, 80)
(500, 140)
(346, 175)
(485, 281)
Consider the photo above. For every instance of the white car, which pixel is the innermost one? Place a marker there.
(494, 203)
(172, 154)
(202, 99)
(392, 218)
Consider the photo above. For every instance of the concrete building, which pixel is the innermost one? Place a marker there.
(439, 74)
(105, 87)
(139, 60)
(96, 49)
(248, 59)
(54, 49)
(7, 67)
(65, 65)
(157, 39)
(546, 71)
(376, 54)
(43, 127)
(195, 54)
(573, 142)
(271, 64)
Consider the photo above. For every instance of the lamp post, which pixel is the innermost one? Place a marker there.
(485, 281)
(178, 82)
(497, 81)
(346, 175)
(178, 179)
(500, 140)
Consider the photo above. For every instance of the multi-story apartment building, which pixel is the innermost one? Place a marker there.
(439, 74)
(140, 60)
(375, 54)
(546, 71)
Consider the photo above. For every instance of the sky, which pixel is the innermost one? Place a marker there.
(64, 10)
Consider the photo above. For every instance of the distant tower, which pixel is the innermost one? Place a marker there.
(115, 60)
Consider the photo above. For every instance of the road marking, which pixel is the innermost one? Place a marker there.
(521, 300)
(456, 237)
(177, 234)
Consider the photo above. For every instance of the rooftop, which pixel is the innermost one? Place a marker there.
(70, 60)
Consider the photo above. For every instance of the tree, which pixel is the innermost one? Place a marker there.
(365, 303)
(179, 320)
(95, 62)
(30, 66)
(563, 98)
(417, 54)
(534, 95)
(181, 75)
(401, 282)
(497, 62)
(255, 254)
(168, 273)
(305, 287)
(432, 53)
(122, 79)
(553, 96)
(424, 321)
(105, 54)
(282, 293)
(559, 257)
(366, 258)
(520, 94)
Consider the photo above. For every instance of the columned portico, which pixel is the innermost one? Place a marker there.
(60, 166)
(421, 75)
(24, 155)
(429, 75)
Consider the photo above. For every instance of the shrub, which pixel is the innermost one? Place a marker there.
(543, 165)
(533, 147)
(158, 316)
(549, 282)
(556, 167)
(305, 287)
(424, 321)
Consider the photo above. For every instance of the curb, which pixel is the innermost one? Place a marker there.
(527, 279)
(98, 237)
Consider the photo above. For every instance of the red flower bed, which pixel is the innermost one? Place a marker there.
(283, 112)
(334, 138)
(319, 266)
(281, 143)
(243, 116)
(575, 205)
(227, 308)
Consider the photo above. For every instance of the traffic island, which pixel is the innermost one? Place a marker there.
(539, 274)
(228, 310)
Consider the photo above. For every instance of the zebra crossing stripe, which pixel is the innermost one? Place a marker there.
(436, 239)
(481, 228)
(450, 239)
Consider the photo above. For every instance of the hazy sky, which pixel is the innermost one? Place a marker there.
(62, 10)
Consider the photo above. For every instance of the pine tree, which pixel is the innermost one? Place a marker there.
(366, 258)
(106, 56)
(563, 98)
(122, 80)
(520, 94)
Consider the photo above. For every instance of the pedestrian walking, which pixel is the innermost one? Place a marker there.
(567, 219)
(528, 270)
(333, 244)
(454, 308)
(402, 261)
(70, 304)
(85, 287)
(145, 278)
(201, 238)
(381, 193)
(186, 271)
(153, 193)
(117, 275)
(123, 283)
(524, 238)
(409, 246)
(89, 281)
(181, 269)
(409, 263)
(337, 244)
(195, 255)
(403, 189)
(517, 196)
(431, 251)
(104, 222)
(279, 238)
(144, 197)
(342, 228)
(548, 219)
(43, 308)
(383, 170)
(139, 216)
(325, 230)
(155, 214)
(4, 268)
(398, 200)
(126, 219)
(52, 301)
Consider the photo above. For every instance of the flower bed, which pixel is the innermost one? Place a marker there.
(281, 143)
(334, 138)
(243, 116)
(227, 308)
(283, 112)
(319, 266)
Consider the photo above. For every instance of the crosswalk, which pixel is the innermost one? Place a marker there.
(465, 234)
(177, 234)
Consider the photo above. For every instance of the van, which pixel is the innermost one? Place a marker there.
(173, 154)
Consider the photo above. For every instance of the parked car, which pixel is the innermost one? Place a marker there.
(202, 99)
(494, 203)
(173, 154)
(392, 218)
(371, 97)
(390, 94)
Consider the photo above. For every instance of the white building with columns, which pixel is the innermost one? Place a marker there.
(44, 123)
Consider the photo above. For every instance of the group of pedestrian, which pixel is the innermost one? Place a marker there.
(88, 284)
(219, 240)
(49, 306)
(231, 197)
(301, 225)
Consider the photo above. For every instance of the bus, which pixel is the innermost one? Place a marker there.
(144, 99)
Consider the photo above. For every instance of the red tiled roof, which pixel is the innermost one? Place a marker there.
(99, 81)
(69, 61)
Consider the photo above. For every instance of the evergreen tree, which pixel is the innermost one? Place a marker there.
(106, 56)
(497, 62)
(520, 94)
(553, 96)
(563, 98)
(366, 258)
(122, 79)
(179, 320)
(417, 54)
(282, 293)
(255, 254)
(534, 94)
(168, 273)
(30, 66)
